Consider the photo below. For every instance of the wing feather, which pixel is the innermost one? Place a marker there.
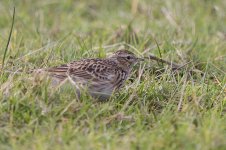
(91, 72)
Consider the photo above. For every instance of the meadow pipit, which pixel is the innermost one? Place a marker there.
(100, 77)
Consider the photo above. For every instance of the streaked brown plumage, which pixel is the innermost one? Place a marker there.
(100, 77)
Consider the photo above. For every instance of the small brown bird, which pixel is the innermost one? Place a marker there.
(99, 77)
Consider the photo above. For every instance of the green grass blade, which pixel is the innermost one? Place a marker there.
(10, 34)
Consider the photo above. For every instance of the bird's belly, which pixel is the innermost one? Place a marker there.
(101, 93)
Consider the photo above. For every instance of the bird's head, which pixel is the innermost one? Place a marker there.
(125, 58)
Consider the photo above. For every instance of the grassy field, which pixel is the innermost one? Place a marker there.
(157, 109)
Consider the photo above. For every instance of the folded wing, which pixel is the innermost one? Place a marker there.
(91, 74)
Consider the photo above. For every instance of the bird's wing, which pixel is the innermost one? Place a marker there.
(93, 73)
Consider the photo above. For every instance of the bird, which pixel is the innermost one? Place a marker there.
(98, 77)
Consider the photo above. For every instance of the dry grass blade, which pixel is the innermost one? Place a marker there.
(179, 107)
(174, 65)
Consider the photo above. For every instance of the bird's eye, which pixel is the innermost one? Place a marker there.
(128, 57)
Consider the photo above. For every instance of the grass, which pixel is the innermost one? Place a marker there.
(157, 109)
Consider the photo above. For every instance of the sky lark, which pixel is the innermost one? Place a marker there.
(100, 77)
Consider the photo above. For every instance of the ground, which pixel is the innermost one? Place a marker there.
(157, 109)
